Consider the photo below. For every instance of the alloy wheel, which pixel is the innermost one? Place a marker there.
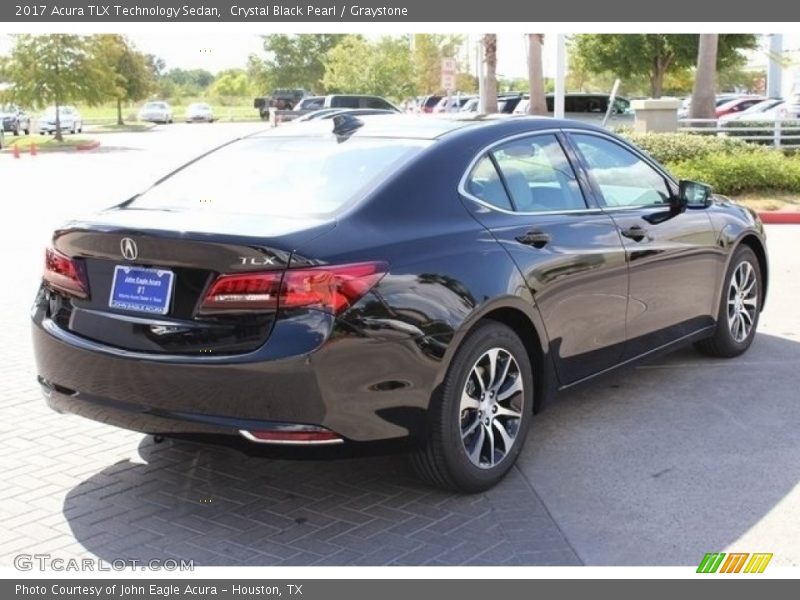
(742, 301)
(491, 408)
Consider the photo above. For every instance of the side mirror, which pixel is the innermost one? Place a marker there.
(693, 194)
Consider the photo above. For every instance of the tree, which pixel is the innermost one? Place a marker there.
(297, 61)
(537, 104)
(429, 50)
(57, 69)
(380, 68)
(703, 104)
(232, 83)
(652, 55)
(489, 99)
(131, 70)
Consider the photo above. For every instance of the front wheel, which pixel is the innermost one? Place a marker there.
(740, 307)
(479, 421)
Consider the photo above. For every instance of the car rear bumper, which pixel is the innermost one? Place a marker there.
(360, 388)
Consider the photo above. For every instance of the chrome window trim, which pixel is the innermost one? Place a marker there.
(462, 189)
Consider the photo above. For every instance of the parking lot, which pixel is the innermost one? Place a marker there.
(651, 466)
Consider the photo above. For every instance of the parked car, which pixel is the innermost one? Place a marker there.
(280, 99)
(470, 106)
(737, 105)
(68, 116)
(432, 281)
(766, 110)
(199, 112)
(793, 107)
(2, 139)
(310, 103)
(683, 111)
(329, 113)
(14, 119)
(427, 103)
(156, 112)
(450, 104)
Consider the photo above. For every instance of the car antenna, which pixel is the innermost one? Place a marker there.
(345, 125)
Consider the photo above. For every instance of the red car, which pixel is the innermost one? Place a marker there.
(738, 105)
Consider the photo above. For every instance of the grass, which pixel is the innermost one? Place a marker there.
(45, 143)
(241, 110)
(769, 201)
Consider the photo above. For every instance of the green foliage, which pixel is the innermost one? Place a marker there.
(727, 164)
(58, 69)
(737, 172)
(233, 83)
(131, 73)
(429, 50)
(650, 56)
(381, 68)
(297, 61)
(676, 147)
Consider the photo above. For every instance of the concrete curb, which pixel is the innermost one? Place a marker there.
(780, 217)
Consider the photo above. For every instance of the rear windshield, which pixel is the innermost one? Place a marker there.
(303, 176)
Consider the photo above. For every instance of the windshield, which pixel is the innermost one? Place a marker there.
(156, 105)
(199, 107)
(300, 177)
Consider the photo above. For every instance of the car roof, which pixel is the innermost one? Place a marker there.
(420, 127)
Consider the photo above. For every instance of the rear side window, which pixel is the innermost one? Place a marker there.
(282, 176)
(485, 184)
(377, 103)
(345, 102)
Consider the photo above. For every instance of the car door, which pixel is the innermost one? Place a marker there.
(526, 193)
(671, 253)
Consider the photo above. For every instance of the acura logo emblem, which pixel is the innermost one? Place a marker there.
(128, 248)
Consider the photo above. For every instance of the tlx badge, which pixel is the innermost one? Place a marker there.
(258, 261)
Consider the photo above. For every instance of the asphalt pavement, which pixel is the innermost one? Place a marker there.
(655, 465)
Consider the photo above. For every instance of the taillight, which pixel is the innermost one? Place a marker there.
(331, 288)
(61, 273)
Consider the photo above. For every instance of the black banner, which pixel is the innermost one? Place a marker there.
(385, 589)
(409, 11)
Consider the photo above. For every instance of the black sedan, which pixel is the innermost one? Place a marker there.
(390, 278)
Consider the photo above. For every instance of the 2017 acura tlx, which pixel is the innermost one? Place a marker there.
(388, 277)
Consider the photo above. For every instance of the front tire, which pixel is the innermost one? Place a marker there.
(739, 309)
(478, 423)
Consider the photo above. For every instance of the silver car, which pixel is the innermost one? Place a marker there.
(199, 112)
(156, 112)
(68, 116)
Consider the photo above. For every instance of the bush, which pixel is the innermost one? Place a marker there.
(742, 171)
(767, 129)
(677, 147)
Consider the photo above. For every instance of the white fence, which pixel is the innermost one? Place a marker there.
(780, 133)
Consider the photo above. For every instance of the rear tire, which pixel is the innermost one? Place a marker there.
(478, 423)
(739, 307)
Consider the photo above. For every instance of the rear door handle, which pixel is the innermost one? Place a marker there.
(537, 239)
(635, 232)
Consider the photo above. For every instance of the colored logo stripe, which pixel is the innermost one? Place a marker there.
(711, 562)
(758, 563)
